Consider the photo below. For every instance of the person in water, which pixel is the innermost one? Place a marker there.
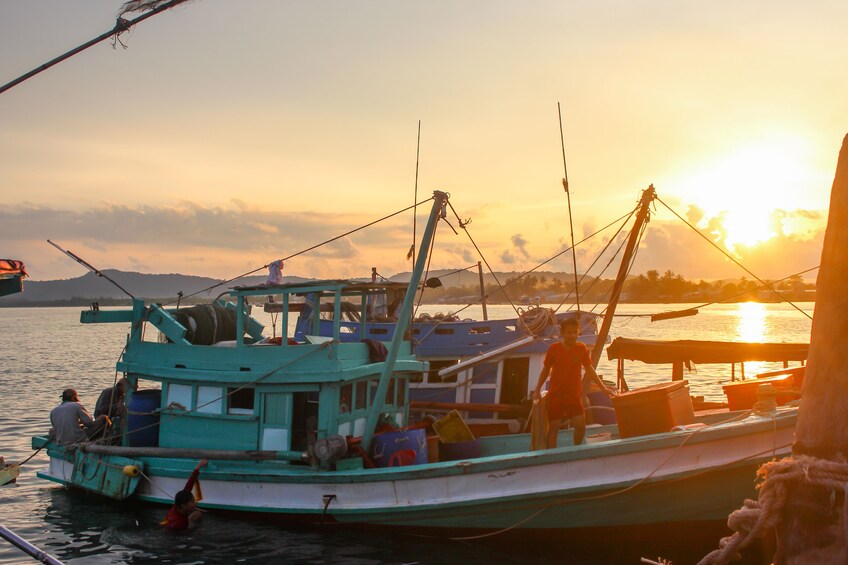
(565, 362)
(71, 421)
(184, 513)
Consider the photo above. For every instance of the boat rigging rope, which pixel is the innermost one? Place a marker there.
(729, 256)
(332, 239)
(501, 288)
(464, 225)
(534, 321)
(609, 263)
(759, 516)
(731, 297)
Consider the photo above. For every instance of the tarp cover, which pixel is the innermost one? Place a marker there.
(653, 351)
(12, 267)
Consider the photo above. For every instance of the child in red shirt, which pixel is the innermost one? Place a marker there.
(564, 363)
(184, 513)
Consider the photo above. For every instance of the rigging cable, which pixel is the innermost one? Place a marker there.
(729, 256)
(227, 281)
(121, 25)
(727, 298)
(607, 246)
(570, 215)
(543, 263)
(464, 226)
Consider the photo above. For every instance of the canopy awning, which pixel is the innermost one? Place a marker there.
(682, 351)
(12, 267)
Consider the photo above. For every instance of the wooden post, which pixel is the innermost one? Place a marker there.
(482, 291)
(677, 371)
(811, 529)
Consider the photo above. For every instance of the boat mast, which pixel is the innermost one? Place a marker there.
(570, 217)
(440, 199)
(642, 216)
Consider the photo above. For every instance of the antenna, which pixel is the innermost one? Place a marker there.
(570, 220)
(411, 253)
(88, 266)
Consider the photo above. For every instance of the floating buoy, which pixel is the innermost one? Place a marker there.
(131, 470)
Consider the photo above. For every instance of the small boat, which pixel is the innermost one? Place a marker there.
(12, 273)
(318, 429)
(8, 472)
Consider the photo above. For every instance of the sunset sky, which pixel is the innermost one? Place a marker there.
(229, 134)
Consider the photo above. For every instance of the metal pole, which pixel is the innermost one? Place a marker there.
(648, 196)
(27, 547)
(482, 290)
(439, 201)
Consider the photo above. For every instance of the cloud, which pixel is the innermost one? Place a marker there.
(520, 244)
(694, 214)
(188, 236)
(507, 258)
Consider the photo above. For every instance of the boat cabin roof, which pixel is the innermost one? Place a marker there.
(322, 288)
(682, 351)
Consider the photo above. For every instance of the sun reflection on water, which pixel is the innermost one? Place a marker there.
(752, 322)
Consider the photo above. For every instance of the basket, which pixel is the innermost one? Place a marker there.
(452, 429)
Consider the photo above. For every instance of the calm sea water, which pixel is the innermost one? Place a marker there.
(43, 350)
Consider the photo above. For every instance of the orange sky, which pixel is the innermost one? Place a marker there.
(230, 134)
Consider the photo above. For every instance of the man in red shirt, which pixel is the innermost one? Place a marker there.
(184, 513)
(563, 363)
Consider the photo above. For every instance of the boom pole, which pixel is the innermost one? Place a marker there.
(121, 25)
(642, 217)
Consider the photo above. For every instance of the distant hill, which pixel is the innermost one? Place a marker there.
(90, 287)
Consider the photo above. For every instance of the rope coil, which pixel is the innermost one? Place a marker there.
(757, 516)
(534, 321)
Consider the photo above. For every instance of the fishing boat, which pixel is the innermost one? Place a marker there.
(492, 363)
(12, 273)
(317, 429)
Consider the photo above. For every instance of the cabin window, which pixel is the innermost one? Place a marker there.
(390, 392)
(436, 366)
(209, 399)
(360, 400)
(240, 401)
(486, 374)
(345, 398)
(179, 396)
(401, 392)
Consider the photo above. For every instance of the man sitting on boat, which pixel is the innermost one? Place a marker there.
(563, 363)
(72, 423)
(184, 513)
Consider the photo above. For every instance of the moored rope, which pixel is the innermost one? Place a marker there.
(758, 516)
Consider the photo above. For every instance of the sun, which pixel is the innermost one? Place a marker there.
(746, 227)
(742, 187)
